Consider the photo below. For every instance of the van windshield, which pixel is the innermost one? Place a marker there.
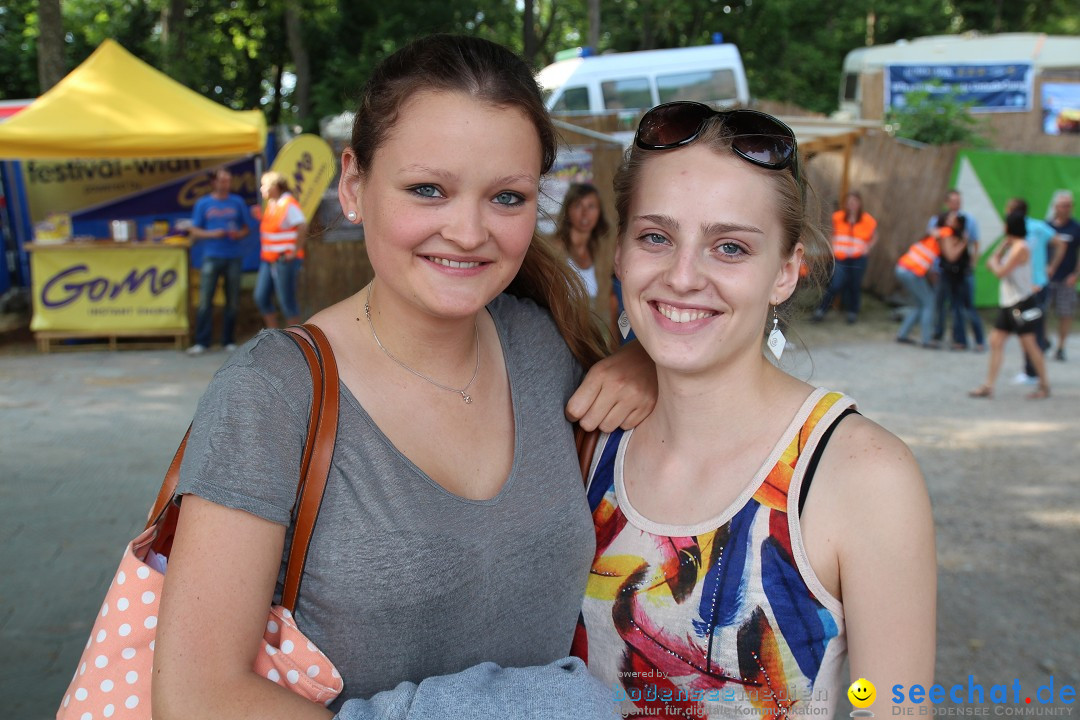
(711, 86)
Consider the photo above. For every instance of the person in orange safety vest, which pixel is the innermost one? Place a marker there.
(854, 232)
(912, 270)
(283, 229)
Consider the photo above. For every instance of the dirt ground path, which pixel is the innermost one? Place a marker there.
(86, 436)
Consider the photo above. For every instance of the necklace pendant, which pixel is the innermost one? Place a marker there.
(466, 397)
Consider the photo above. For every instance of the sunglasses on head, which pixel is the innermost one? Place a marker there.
(756, 137)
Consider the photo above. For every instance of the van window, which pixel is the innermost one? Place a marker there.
(628, 93)
(851, 86)
(703, 87)
(575, 99)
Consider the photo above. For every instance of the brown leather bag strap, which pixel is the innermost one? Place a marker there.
(323, 434)
(585, 442)
(314, 464)
(168, 485)
(318, 388)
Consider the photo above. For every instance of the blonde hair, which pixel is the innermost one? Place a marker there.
(277, 180)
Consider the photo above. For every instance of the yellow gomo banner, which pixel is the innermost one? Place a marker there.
(307, 162)
(110, 289)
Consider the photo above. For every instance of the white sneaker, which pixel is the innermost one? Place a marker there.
(230, 347)
(196, 349)
(1025, 379)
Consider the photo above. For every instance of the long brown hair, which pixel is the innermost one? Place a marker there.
(575, 194)
(489, 72)
(847, 216)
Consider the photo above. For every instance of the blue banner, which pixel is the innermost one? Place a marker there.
(992, 87)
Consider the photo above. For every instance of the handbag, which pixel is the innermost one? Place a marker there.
(113, 676)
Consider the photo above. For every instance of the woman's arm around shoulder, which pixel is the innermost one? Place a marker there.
(619, 391)
(222, 571)
(884, 545)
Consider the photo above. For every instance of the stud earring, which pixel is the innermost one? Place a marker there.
(624, 324)
(352, 216)
(777, 341)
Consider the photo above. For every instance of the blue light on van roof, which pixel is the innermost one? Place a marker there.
(718, 38)
(571, 53)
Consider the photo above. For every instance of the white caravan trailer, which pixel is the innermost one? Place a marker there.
(633, 81)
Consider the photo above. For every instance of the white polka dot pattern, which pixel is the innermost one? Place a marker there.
(113, 676)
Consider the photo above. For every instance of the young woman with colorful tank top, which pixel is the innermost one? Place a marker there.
(724, 583)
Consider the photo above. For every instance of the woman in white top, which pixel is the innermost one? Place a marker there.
(1019, 312)
(581, 226)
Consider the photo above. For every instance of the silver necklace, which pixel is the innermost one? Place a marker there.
(463, 391)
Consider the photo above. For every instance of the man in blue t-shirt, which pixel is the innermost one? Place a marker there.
(220, 221)
(1063, 273)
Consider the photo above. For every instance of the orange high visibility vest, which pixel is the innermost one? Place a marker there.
(276, 239)
(851, 240)
(921, 255)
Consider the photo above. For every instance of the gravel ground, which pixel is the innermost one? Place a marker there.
(1004, 481)
(86, 436)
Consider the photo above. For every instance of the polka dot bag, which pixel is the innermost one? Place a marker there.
(112, 679)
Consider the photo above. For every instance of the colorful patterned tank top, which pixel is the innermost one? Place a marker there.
(724, 618)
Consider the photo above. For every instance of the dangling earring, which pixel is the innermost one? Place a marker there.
(352, 216)
(777, 341)
(624, 324)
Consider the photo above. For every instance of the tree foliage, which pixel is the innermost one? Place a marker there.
(936, 118)
(238, 52)
(18, 49)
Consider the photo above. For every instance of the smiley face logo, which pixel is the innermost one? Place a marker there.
(862, 693)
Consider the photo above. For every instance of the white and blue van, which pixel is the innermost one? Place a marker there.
(634, 81)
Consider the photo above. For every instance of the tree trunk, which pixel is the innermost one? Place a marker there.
(301, 61)
(173, 34)
(50, 45)
(528, 39)
(273, 116)
(545, 35)
(648, 31)
(594, 24)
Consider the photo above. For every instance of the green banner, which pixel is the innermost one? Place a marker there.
(988, 179)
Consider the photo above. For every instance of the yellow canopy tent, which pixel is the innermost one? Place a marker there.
(115, 105)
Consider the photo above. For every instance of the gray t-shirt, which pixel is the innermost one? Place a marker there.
(405, 580)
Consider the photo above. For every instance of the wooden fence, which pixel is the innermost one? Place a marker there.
(333, 268)
(901, 186)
